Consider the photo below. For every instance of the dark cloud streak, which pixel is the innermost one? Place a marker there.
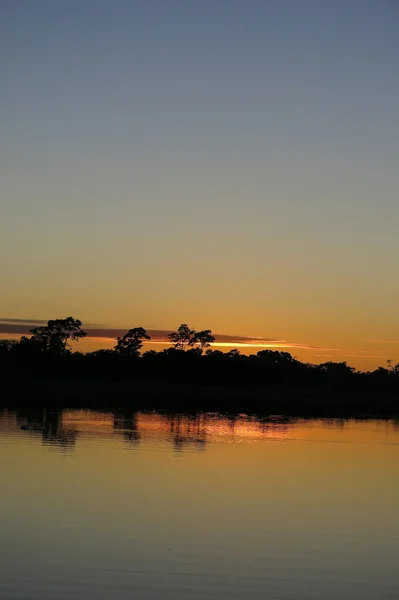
(23, 326)
(19, 327)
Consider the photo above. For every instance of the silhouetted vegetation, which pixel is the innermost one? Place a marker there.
(185, 337)
(188, 375)
(132, 342)
(53, 338)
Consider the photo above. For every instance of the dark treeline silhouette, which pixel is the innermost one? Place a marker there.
(187, 375)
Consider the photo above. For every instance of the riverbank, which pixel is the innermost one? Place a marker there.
(266, 400)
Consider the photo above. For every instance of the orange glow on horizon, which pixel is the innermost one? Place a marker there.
(363, 359)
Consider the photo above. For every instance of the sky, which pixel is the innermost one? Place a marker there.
(228, 164)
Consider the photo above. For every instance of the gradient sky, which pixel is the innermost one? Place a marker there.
(230, 164)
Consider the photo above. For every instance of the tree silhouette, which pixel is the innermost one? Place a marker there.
(274, 357)
(204, 338)
(220, 380)
(337, 369)
(214, 353)
(7, 346)
(131, 343)
(101, 353)
(234, 353)
(182, 338)
(185, 337)
(53, 338)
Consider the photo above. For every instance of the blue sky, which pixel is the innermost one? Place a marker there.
(231, 164)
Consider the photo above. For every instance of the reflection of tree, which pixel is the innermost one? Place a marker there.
(49, 423)
(335, 423)
(178, 442)
(275, 425)
(55, 434)
(189, 431)
(231, 420)
(30, 418)
(126, 423)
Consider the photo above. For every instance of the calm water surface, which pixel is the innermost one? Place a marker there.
(99, 505)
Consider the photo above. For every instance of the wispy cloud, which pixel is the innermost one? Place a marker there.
(6, 321)
(278, 344)
(160, 336)
(18, 327)
(364, 356)
(383, 341)
(13, 326)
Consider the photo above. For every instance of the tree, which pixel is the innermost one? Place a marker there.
(53, 338)
(234, 353)
(182, 338)
(7, 346)
(214, 353)
(102, 353)
(203, 339)
(150, 354)
(392, 369)
(338, 371)
(131, 343)
(185, 337)
(274, 357)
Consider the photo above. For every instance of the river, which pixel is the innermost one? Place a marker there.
(100, 505)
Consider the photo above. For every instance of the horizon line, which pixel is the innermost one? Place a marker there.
(19, 327)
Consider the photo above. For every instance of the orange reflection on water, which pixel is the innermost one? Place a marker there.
(63, 428)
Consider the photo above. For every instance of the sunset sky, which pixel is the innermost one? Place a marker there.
(229, 164)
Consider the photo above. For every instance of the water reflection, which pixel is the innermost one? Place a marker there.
(188, 431)
(60, 428)
(196, 506)
(125, 422)
(54, 433)
(48, 423)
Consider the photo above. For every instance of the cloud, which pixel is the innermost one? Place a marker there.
(22, 326)
(23, 321)
(160, 336)
(363, 356)
(17, 327)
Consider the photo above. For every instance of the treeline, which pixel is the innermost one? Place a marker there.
(190, 359)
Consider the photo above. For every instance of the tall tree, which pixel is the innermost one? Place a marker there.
(131, 343)
(203, 339)
(183, 338)
(53, 338)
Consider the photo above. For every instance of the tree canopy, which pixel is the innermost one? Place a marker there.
(185, 338)
(53, 338)
(132, 342)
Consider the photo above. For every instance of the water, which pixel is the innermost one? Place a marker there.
(97, 505)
